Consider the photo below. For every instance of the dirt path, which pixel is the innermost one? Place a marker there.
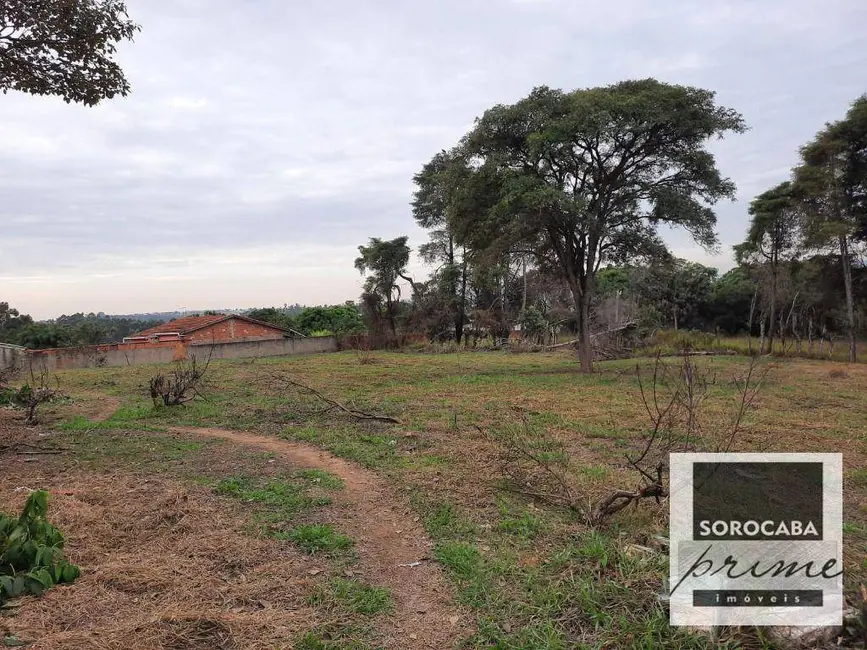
(387, 535)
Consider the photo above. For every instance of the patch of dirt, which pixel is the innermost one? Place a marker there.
(165, 566)
(94, 405)
(387, 535)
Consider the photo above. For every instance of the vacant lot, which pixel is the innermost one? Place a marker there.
(256, 540)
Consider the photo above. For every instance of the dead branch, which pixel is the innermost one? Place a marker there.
(620, 328)
(334, 404)
(674, 398)
(184, 383)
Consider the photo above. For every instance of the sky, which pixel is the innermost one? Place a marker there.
(264, 140)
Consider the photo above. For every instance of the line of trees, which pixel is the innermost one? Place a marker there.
(314, 321)
(546, 215)
(814, 222)
(65, 331)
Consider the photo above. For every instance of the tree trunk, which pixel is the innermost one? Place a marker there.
(581, 297)
(850, 300)
(773, 315)
(762, 334)
(462, 303)
(750, 321)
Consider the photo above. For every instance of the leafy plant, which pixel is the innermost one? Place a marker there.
(31, 552)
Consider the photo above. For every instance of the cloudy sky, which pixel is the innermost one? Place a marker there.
(265, 140)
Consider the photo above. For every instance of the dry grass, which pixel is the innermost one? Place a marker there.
(165, 566)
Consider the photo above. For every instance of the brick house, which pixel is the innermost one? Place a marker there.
(217, 328)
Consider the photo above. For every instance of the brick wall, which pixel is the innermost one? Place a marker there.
(234, 329)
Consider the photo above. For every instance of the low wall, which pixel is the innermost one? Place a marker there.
(134, 354)
(11, 356)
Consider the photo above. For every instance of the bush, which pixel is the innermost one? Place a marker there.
(31, 552)
(183, 384)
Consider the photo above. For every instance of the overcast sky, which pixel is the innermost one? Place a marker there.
(265, 140)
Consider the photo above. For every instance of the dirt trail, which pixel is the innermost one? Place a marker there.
(387, 535)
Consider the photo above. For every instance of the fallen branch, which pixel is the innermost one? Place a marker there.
(619, 328)
(334, 404)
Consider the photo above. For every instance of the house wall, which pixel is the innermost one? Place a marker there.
(133, 354)
(232, 330)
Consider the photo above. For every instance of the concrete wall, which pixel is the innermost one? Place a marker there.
(11, 356)
(133, 354)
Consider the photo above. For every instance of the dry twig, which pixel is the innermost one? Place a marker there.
(288, 382)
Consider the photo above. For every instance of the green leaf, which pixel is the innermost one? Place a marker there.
(44, 577)
(70, 572)
(17, 586)
(34, 586)
(5, 586)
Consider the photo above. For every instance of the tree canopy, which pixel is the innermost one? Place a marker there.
(583, 178)
(64, 48)
(385, 262)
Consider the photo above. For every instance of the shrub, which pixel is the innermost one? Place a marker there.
(183, 384)
(31, 552)
(29, 396)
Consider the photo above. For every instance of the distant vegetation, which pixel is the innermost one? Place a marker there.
(314, 321)
(96, 329)
(65, 331)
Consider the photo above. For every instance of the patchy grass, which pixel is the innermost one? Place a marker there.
(317, 538)
(535, 577)
(353, 597)
(325, 640)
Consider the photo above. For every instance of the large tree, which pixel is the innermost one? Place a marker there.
(64, 48)
(432, 203)
(773, 240)
(385, 263)
(831, 186)
(584, 178)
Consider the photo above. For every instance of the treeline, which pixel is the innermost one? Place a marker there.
(97, 329)
(314, 321)
(545, 218)
(65, 331)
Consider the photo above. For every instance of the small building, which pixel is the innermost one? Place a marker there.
(216, 328)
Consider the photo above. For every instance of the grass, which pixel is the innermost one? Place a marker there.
(353, 597)
(322, 641)
(317, 538)
(534, 576)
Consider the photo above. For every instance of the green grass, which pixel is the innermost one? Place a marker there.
(523, 524)
(371, 450)
(318, 640)
(353, 597)
(317, 538)
(321, 478)
(285, 497)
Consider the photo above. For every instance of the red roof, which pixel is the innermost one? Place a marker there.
(189, 324)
